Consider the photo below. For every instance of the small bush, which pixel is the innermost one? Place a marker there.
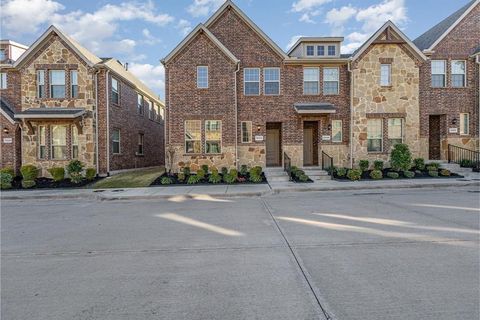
(378, 165)
(299, 172)
(5, 180)
(166, 180)
(234, 173)
(181, 177)
(201, 174)
(419, 163)
(230, 178)
(186, 171)
(434, 165)
(244, 170)
(376, 174)
(257, 169)
(433, 173)
(445, 172)
(303, 178)
(214, 177)
(255, 178)
(8, 170)
(393, 175)
(193, 179)
(224, 171)
(466, 163)
(354, 174)
(74, 169)
(90, 174)
(58, 173)
(205, 168)
(330, 170)
(401, 158)
(409, 174)
(29, 172)
(27, 184)
(432, 168)
(363, 164)
(341, 172)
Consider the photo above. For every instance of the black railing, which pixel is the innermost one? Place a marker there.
(287, 165)
(463, 157)
(327, 164)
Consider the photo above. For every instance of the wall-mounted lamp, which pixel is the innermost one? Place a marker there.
(329, 127)
(5, 130)
(259, 128)
(454, 121)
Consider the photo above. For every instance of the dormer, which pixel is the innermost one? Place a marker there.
(10, 51)
(316, 48)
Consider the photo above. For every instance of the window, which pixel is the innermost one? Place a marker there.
(330, 80)
(140, 144)
(438, 73)
(246, 131)
(139, 104)
(3, 55)
(271, 78)
(374, 135)
(458, 73)
(3, 80)
(320, 50)
(57, 83)
(310, 51)
(116, 141)
(41, 83)
(395, 131)
(464, 123)
(385, 71)
(157, 112)
(331, 50)
(337, 135)
(150, 110)
(213, 136)
(74, 142)
(251, 79)
(74, 83)
(193, 136)
(310, 80)
(59, 142)
(42, 142)
(202, 77)
(162, 113)
(115, 95)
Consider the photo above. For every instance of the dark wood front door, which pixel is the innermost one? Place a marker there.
(310, 145)
(273, 142)
(434, 138)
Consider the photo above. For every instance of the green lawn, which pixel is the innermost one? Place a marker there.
(132, 179)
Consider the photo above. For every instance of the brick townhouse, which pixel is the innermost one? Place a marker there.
(234, 97)
(61, 102)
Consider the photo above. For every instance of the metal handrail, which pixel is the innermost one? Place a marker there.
(287, 165)
(461, 155)
(327, 164)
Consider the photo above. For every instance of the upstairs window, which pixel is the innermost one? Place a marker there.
(310, 80)
(330, 81)
(150, 110)
(156, 109)
(162, 113)
(438, 73)
(41, 83)
(57, 84)
(59, 142)
(213, 136)
(140, 144)
(116, 141)
(115, 95)
(202, 77)
(74, 142)
(42, 142)
(374, 135)
(74, 83)
(3, 80)
(310, 51)
(337, 135)
(193, 136)
(139, 104)
(385, 72)
(331, 50)
(271, 78)
(464, 123)
(320, 50)
(3, 55)
(251, 79)
(458, 73)
(395, 131)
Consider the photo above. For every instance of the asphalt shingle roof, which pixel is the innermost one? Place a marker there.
(6, 108)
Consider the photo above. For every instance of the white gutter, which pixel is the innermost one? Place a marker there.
(351, 112)
(96, 121)
(107, 91)
(236, 116)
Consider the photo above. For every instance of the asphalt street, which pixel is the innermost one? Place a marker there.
(394, 254)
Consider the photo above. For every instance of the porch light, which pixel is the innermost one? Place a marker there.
(329, 127)
(259, 128)
(5, 130)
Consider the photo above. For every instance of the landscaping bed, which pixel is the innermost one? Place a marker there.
(47, 183)
(418, 174)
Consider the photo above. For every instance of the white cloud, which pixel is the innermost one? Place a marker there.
(375, 16)
(307, 5)
(152, 75)
(201, 8)
(184, 26)
(292, 41)
(337, 17)
(149, 38)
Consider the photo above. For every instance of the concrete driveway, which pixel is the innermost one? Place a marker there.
(406, 254)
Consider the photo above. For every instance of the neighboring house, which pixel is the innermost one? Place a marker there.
(234, 97)
(74, 105)
(449, 82)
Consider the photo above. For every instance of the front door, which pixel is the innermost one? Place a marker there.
(310, 146)
(434, 138)
(273, 145)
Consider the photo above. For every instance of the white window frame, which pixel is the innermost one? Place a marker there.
(462, 124)
(116, 141)
(380, 120)
(72, 84)
(318, 47)
(313, 50)
(58, 85)
(74, 133)
(3, 80)
(336, 126)
(3, 54)
(115, 90)
(151, 113)
(200, 84)
(388, 67)
(250, 81)
(444, 74)
(265, 81)
(162, 113)
(249, 131)
(41, 84)
(42, 144)
(337, 81)
(140, 104)
(464, 73)
(199, 125)
(334, 50)
(402, 130)
(52, 145)
(207, 140)
(317, 81)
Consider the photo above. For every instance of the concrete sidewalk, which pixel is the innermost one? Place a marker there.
(179, 193)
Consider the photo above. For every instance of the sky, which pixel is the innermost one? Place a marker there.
(141, 32)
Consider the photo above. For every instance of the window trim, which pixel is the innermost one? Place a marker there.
(270, 81)
(51, 84)
(341, 130)
(334, 50)
(208, 80)
(151, 112)
(464, 73)
(140, 143)
(402, 130)
(73, 128)
(3, 81)
(318, 81)
(381, 135)
(39, 143)
(117, 91)
(41, 91)
(306, 50)
(337, 81)
(245, 81)
(72, 85)
(445, 81)
(206, 140)
(462, 124)
(140, 107)
(250, 132)
(118, 141)
(389, 65)
(185, 137)
(321, 46)
(54, 145)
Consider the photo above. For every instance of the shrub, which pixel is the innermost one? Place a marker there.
(234, 173)
(193, 179)
(419, 163)
(230, 178)
(58, 173)
(433, 173)
(255, 178)
(201, 174)
(299, 172)
(376, 174)
(432, 168)
(186, 171)
(363, 164)
(401, 158)
(434, 165)
(466, 163)
(181, 177)
(166, 180)
(445, 172)
(90, 174)
(5, 180)
(409, 174)
(303, 178)
(27, 184)
(378, 165)
(205, 168)
(214, 177)
(244, 170)
(257, 169)
(354, 174)
(8, 170)
(341, 172)
(330, 170)
(74, 169)
(393, 175)
(29, 172)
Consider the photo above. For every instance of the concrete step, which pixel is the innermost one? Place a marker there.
(277, 178)
(454, 167)
(275, 174)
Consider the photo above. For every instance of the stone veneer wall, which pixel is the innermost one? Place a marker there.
(398, 100)
(181, 160)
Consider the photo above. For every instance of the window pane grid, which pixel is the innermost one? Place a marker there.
(374, 135)
(395, 131)
(331, 50)
(193, 136)
(310, 50)
(246, 131)
(40, 83)
(438, 73)
(337, 135)
(251, 77)
(57, 83)
(59, 142)
(74, 83)
(458, 73)
(310, 80)
(385, 70)
(464, 123)
(213, 136)
(271, 78)
(116, 141)
(330, 80)
(202, 77)
(320, 50)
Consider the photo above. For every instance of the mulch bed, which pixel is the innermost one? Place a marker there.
(242, 179)
(47, 183)
(419, 174)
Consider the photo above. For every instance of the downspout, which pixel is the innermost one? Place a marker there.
(351, 112)
(97, 166)
(236, 116)
(108, 121)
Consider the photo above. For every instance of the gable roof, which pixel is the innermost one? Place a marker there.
(86, 55)
(191, 35)
(429, 39)
(249, 22)
(389, 24)
(7, 111)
